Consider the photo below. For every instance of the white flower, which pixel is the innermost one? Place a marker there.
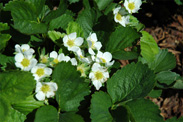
(104, 58)
(98, 75)
(80, 54)
(132, 5)
(40, 71)
(74, 61)
(24, 49)
(25, 62)
(46, 89)
(118, 18)
(72, 42)
(93, 43)
(58, 58)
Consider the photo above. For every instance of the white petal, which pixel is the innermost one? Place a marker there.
(48, 71)
(91, 51)
(116, 10)
(53, 54)
(40, 96)
(78, 41)
(72, 36)
(74, 48)
(34, 69)
(17, 64)
(25, 47)
(94, 37)
(99, 54)
(73, 61)
(65, 39)
(95, 67)
(107, 56)
(61, 57)
(50, 94)
(109, 64)
(19, 57)
(17, 48)
(38, 86)
(97, 84)
(91, 75)
(98, 45)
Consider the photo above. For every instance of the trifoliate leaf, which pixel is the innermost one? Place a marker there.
(100, 104)
(71, 87)
(46, 114)
(143, 110)
(131, 82)
(16, 85)
(149, 47)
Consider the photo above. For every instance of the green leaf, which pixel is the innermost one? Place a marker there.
(5, 108)
(102, 4)
(110, 8)
(70, 117)
(46, 114)
(174, 119)
(60, 22)
(56, 37)
(30, 27)
(143, 110)
(125, 55)
(178, 84)
(28, 105)
(16, 85)
(119, 39)
(86, 20)
(21, 10)
(73, 1)
(164, 60)
(131, 82)
(100, 104)
(149, 47)
(75, 27)
(4, 26)
(6, 59)
(15, 116)
(71, 87)
(167, 77)
(4, 38)
(39, 4)
(120, 114)
(155, 93)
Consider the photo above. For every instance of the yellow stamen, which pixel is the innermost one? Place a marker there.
(55, 61)
(40, 72)
(99, 75)
(103, 60)
(70, 43)
(131, 6)
(25, 62)
(118, 17)
(45, 88)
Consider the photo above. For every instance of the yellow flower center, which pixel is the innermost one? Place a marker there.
(40, 72)
(118, 17)
(80, 69)
(81, 56)
(103, 60)
(70, 43)
(23, 50)
(55, 61)
(131, 6)
(25, 62)
(99, 75)
(45, 88)
(92, 46)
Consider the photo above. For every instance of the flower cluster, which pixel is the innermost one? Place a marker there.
(90, 61)
(123, 17)
(25, 60)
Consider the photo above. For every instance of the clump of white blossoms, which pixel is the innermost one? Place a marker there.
(45, 90)
(118, 18)
(40, 71)
(58, 58)
(25, 62)
(98, 75)
(72, 42)
(132, 5)
(80, 55)
(93, 43)
(24, 49)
